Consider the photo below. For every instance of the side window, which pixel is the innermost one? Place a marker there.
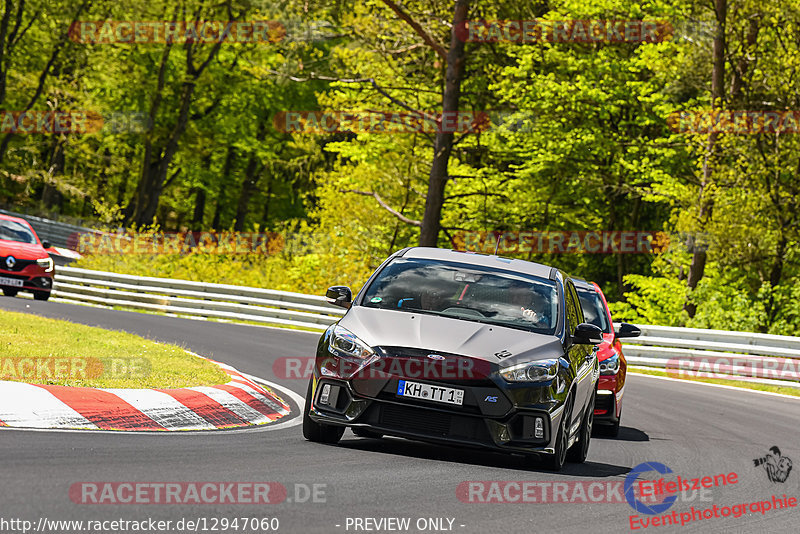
(574, 312)
(581, 316)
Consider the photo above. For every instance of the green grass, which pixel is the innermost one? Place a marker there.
(37, 350)
(736, 383)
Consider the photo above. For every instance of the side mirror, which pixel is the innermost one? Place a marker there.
(627, 330)
(339, 296)
(587, 334)
(46, 244)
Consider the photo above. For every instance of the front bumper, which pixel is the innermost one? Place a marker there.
(608, 399)
(503, 425)
(33, 277)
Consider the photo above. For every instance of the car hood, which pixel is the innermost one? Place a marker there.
(22, 251)
(486, 342)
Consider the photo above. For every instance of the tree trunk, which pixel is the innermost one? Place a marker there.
(443, 145)
(265, 216)
(199, 208)
(251, 175)
(705, 211)
(223, 186)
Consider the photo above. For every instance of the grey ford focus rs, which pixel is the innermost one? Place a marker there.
(459, 348)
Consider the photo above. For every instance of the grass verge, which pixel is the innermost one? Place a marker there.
(785, 390)
(38, 350)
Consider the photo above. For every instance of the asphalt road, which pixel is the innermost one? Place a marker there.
(695, 430)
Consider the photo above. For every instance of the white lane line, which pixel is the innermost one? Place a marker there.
(32, 406)
(723, 386)
(163, 409)
(233, 404)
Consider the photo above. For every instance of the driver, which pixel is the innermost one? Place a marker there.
(434, 300)
(532, 304)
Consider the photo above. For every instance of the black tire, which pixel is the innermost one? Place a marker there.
(555, 462)
(41, 295)
(317, 432)
(10, 291)
(580, 449)
(366, 433)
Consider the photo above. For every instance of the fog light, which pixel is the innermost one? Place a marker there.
(504, 436)
(326, 393)
(538, 428)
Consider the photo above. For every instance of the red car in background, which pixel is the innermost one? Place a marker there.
(613, 367)
(24, 262)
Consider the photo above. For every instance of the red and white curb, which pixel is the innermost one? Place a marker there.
(236, 404)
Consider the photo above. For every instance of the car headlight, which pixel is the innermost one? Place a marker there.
(47, 263)
(538, 371)
(610, 366)
(344, 341)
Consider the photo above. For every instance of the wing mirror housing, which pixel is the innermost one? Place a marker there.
(340, 296)
(587, 334)
(627, 330)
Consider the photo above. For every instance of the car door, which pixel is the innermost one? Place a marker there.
(580, 355)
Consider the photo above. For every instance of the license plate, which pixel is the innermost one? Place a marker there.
(416, 390)
(10, 282)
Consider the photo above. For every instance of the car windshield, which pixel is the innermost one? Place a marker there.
(14, 231)
(593, 310)
(466, 292)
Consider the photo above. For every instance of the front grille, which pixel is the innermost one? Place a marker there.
(428, 423)
(21, 264)
(417, 421)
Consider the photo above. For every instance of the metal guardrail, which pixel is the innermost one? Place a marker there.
(689, 352)
(183, 297)
(745, 356)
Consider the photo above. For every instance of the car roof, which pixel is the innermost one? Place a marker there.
(483, 260)
(5, 217)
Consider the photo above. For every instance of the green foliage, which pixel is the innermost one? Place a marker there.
(585, 144)
(140, 363)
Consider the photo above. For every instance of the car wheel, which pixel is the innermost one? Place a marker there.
(9, 292)
(366, 433)
(580, 449)
(41, 295)
(555, 461)
(318, 432)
